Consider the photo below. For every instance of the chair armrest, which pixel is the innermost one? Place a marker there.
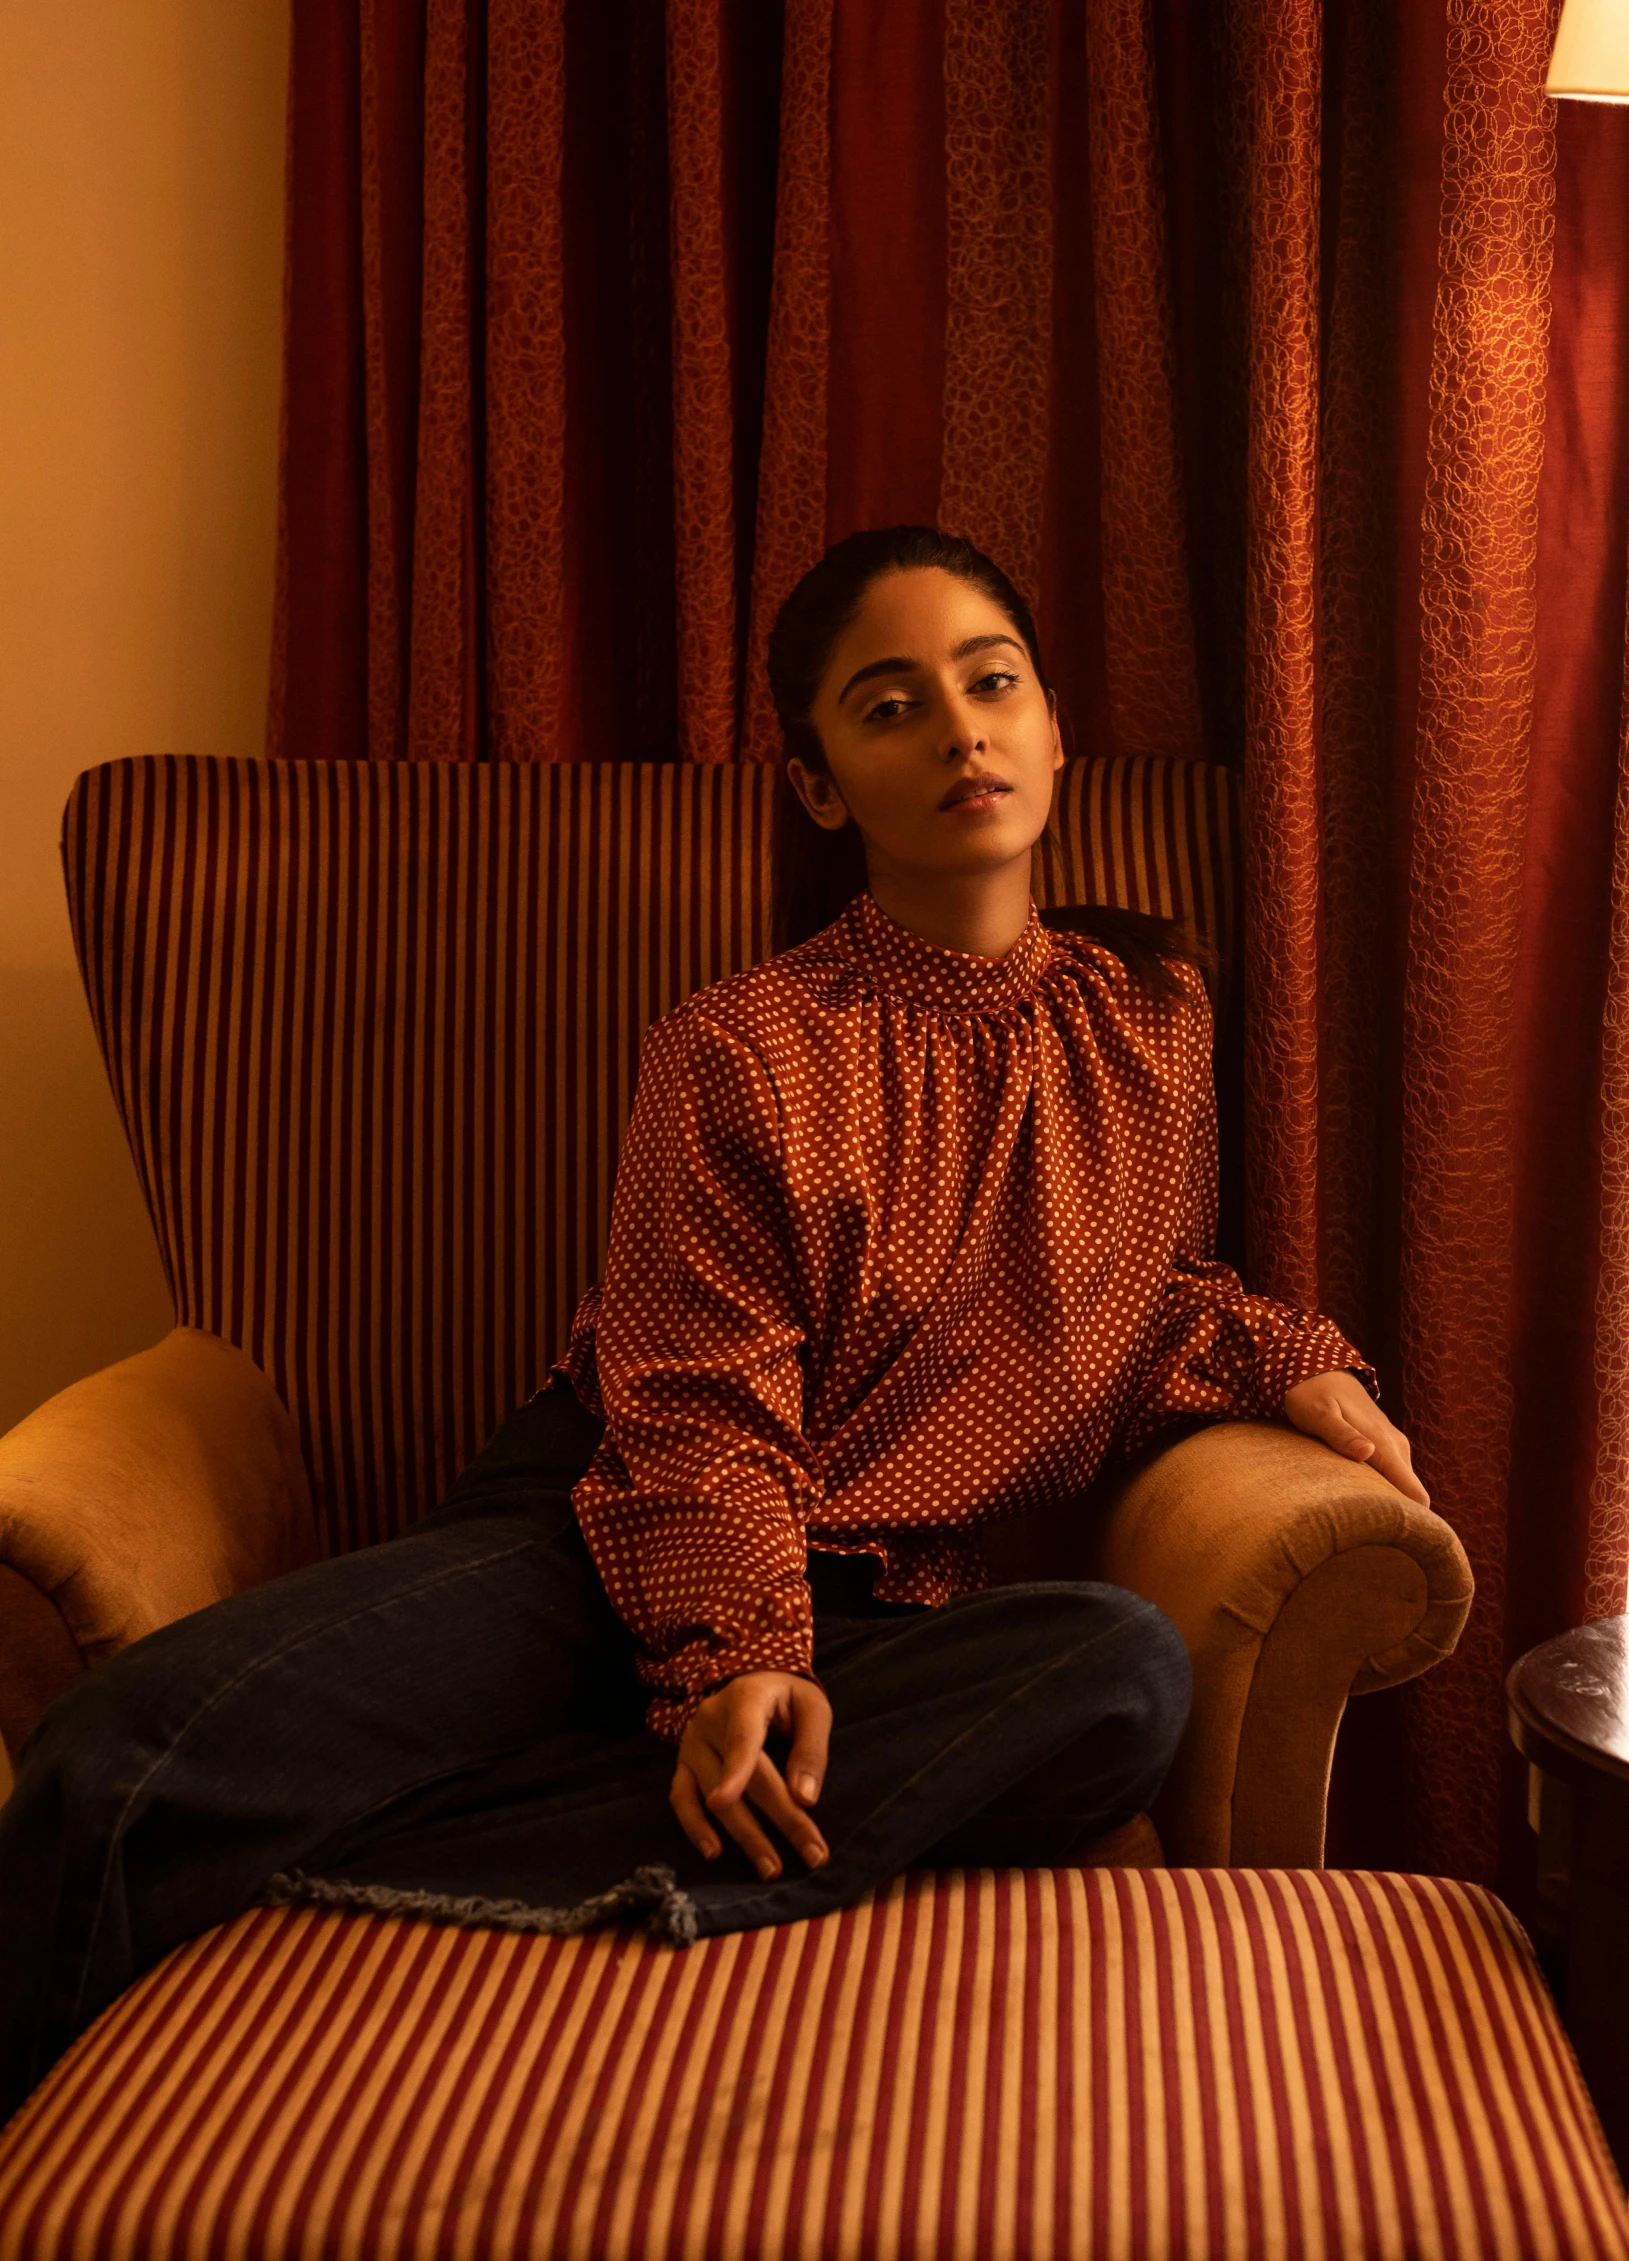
(1297, 1578)
(149, 1490)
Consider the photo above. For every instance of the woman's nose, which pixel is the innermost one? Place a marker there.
(963, 729)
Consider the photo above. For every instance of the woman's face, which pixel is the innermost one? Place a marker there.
(928, 691)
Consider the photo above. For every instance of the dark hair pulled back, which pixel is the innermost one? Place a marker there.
(816, 874)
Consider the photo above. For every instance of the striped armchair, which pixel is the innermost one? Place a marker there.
(373, 1032)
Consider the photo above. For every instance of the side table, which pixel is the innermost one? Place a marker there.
(1568, 1710)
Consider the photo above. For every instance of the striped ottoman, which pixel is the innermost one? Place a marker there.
(1021, 2064)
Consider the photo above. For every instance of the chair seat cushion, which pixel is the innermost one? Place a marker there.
(1016, 2063)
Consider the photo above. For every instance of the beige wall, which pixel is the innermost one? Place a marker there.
(141, 160)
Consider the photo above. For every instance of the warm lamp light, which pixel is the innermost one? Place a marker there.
(1591, 59)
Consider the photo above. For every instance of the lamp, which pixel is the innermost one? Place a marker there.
(1591, 59)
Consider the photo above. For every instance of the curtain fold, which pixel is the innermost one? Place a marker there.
(525, 353)
(446, 677)
(703, 426)
(1357, 444)
(1568, 1319)
(790, 533)
(1606, 1542)
(1274, 347)
(1151, 671)
(1484, 451)
(1279, 78)
(998, 278)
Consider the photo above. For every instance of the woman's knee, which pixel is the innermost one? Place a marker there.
(1133, 1656)
(114, 1728)
(94, 1740)
(1123, 1652)
(1153, 1659)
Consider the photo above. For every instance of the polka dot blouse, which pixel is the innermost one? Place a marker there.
(903, 1240)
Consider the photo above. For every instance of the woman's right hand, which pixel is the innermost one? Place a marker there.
(724, 1771)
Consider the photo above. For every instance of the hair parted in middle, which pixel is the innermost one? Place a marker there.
(815, 873)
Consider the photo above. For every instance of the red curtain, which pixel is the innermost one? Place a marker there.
(1273, 347)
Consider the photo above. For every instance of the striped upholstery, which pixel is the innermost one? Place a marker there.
(373, 1030)
(1016, 2065)
(1148, 835)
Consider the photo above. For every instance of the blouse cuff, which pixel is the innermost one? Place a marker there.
(579, 1365)
(1297, 1357)
(668, 1714)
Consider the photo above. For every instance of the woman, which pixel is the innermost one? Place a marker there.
(910, 1234)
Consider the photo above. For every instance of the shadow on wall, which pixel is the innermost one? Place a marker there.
(80, 1280)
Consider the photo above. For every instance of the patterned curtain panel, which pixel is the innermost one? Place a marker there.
(1276, 348)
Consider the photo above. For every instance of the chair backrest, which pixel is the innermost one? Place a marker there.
(373, 1030)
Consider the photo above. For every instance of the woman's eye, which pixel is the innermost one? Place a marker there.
(889, 709)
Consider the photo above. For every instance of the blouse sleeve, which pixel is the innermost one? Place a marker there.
(1214, 1352)
(696, 1504)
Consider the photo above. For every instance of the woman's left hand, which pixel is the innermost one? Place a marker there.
(1339, 1410)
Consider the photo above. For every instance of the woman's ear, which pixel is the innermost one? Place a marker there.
(819, 795)
(1057, 733)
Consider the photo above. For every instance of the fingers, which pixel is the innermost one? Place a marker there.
(723, 1770)
(1387, 1455)
(685, 1798)
(770, 1795)
(742, 1825)
(1338, 1410)
(1329, 1425)
(1392, 1461)
(746, 1725)
(766, 1788)
(1385, 1448)
(1322, 1408)
(1325, 1419)
(811, 1731)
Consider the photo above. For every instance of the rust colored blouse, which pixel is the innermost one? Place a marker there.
(903, 1240)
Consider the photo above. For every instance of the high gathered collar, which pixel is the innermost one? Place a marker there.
(953, 981)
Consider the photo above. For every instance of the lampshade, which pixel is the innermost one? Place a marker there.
(1591, 59)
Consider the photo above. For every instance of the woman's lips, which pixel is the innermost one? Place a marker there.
(976, 804)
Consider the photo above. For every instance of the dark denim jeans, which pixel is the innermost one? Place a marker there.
(455, 1714)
